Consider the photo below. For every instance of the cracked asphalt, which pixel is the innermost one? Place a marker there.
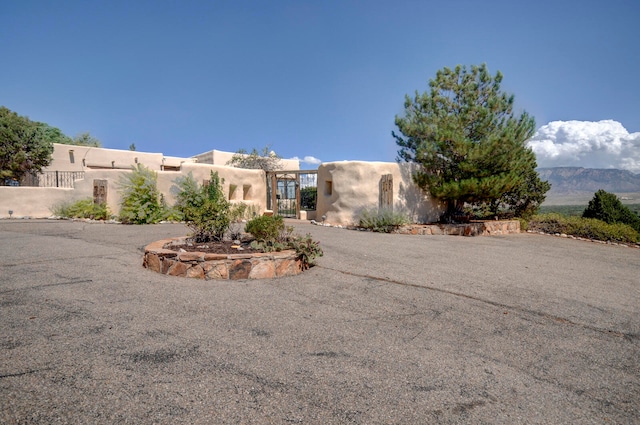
(386, 329)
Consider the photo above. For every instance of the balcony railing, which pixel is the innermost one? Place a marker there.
(46, 179)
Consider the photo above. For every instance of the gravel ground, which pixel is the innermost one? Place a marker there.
(386, 329)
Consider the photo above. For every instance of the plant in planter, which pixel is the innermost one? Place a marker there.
(271, 234)
(210, 216)
(205, 210)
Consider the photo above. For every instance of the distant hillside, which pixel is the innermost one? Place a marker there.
(577, 185)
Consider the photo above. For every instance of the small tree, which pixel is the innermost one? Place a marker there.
(188, 196)
(467, 139)
(205, 209)
(86, 139)
(526, 199)
(258, 160)
(54, 134)
(140, 196)
(607, 207)
(24, 148)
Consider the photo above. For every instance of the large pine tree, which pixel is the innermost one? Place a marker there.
(469, 142)
(24, 146)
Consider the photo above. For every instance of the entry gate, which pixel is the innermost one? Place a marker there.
(289, 192)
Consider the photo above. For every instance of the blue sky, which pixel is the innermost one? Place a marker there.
(322, 79)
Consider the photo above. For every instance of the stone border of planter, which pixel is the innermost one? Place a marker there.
(201, 265)
(474, 228)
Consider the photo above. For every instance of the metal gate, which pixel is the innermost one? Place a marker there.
(288, 192)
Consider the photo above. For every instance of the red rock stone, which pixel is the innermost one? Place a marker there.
(240, 256)
(288, 267)
(153, 262)
(239, 269)
(262, 270)
(191, 256)
(178, 269)
(166, 264)
(195, 272)
(208, 257)
(216, 270)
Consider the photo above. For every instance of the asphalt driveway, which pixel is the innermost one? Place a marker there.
(385, 329)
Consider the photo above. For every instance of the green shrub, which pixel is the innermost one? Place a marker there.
(237, 212)
(205, 209)
(140, 197)
(381, 220)
(524, 224)
(589, 228)
(272, 235)
(169, 213)
(266, 229)
(306, 248)
(308, 198)
(84, 208)
(607, 207)
(188, 196)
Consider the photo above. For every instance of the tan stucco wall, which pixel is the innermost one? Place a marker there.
(346, 187)
(32, 202)
(81, 158)
(354, 184)
(217, 157)
(37, 202)
(252, 180)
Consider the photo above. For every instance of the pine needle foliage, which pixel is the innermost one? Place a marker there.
(467, 138)
(607, 207)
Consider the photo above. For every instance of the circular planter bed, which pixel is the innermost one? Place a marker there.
(164, 257)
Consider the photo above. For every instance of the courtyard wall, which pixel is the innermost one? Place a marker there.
(240, 185)
(344, 188)
(347, 187)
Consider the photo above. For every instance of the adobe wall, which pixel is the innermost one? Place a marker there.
(250, 185)
(346, 187)
(80, 158)
(36, 202)
(216, 157)
(32, 202)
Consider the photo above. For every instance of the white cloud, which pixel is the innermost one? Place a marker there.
(602, 144)
(309, 160)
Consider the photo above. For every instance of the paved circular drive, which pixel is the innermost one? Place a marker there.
(386, 329)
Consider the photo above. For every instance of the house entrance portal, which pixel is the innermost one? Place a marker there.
(289, 192)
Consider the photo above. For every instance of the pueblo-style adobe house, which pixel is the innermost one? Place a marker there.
(343, 188)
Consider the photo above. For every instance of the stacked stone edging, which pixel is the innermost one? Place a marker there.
(201, 265)
(475, 228)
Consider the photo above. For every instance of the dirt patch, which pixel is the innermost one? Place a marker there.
(223, 247)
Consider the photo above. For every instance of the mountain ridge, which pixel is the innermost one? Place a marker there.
(581, 183)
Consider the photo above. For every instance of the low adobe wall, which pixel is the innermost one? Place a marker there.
(347, 187)
(240, 185)
(33, 202)
(476, 228)
(207, 266)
